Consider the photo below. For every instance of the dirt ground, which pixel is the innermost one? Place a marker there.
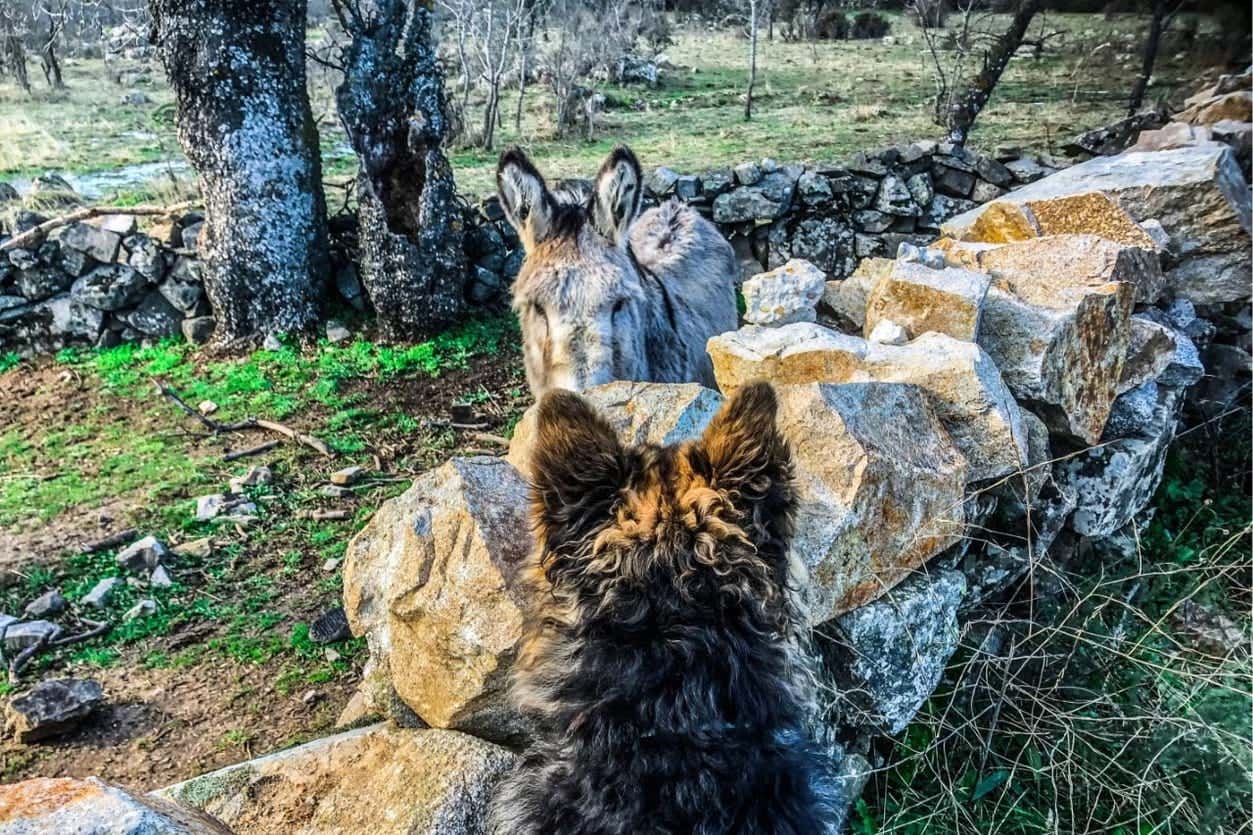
(224, 674)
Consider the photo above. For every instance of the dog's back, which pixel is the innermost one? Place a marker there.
(661, 661)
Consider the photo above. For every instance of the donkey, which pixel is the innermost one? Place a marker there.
(606, 293)
(662, 658)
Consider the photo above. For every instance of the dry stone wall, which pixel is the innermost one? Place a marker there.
(1039, 358)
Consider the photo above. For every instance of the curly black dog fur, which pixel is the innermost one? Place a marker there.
(661, 661)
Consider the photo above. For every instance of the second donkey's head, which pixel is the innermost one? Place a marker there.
(578, 294)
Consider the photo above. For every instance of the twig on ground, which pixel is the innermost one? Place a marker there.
(111, 541)
(217, 427)
(489, 438)
(327, 515)
(254, 450)
(23, 658)
(97, 628)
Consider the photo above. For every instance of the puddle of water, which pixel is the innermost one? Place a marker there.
(97, 184)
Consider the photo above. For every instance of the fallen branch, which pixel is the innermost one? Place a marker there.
(98, 628)
(489, 438)
(37, 233)
(23, 658)
(216, 427)
(111, 541)
(255, 450)
(307, 440)
(328, 515)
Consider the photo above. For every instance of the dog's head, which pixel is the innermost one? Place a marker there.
(631, 532)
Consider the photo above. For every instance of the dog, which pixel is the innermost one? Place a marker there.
(662, 661)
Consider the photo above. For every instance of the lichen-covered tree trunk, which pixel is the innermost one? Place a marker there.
(966, 107)
(391, 103)
(244, 122)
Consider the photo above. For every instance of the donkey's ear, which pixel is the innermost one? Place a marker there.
(617, 195)
(524, 197)
(577, 469)
(748, 460)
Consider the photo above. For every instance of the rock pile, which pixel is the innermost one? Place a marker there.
(1041, 353)
(102, 282)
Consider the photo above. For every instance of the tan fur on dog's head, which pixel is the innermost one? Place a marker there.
(706, 519)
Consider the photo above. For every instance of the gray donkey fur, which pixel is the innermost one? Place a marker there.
(606, 293)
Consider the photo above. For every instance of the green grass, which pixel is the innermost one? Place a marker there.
(254, 593)
(1098, 716)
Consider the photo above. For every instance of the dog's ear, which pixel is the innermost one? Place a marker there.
(617, 194)
(748, 461)
(524, 197)
(577, 470)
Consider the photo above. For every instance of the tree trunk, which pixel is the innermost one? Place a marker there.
(48, 60)
(244, 122)
(13, 56)
(1156, 28)
(391, 103)
(966, 107)
(752, 59)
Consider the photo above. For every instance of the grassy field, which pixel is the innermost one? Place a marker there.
(815, 101)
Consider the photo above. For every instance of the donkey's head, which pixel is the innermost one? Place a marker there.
(578, 294)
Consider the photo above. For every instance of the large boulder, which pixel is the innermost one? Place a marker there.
(799, 353)
(1113, 481)
(921, 299)
(94, 807)
(641, 413)
(784, 295)
(1076, 258)
(880, 488)
(379, 779)
(960, 380)
(887, 656)
(1059, 330)
(429, 581)
(1198, 195)
(1089, 213)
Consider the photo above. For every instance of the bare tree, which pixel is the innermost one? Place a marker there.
(1163, 16)
(12, 50)
(961, 97)
(55, 14)
(753, 25)
(245, 124)
(392, 105)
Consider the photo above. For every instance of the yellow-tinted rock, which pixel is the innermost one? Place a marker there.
(848, 298)
(1091, 213)
(880, 488)
(429, 582)
(1196, 193)
(1058, 328)
(64, 805)
(1001, 223)
(921, 299)
(641, 413)
(380, 780)
(961, 382)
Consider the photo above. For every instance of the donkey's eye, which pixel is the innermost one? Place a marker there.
(539, 311)
(619, 306)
